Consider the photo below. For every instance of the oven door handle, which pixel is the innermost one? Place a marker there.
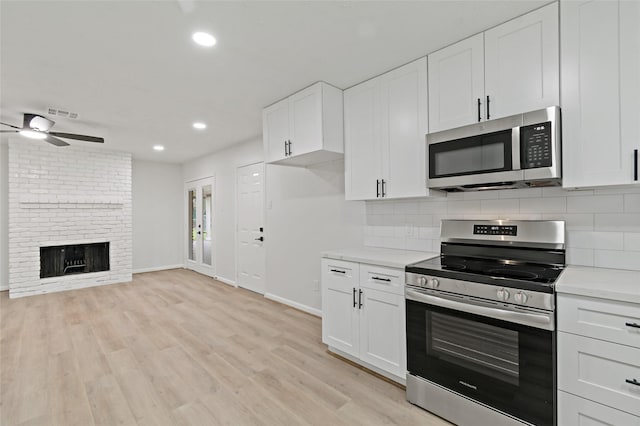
(536, 320)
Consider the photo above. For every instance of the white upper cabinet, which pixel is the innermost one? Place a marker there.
(600, 92)
(305, 128)
(456, 84)
(522, 69)
(509, 69)
(385, 128)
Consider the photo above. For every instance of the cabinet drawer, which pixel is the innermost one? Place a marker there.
(600, 319)
(599, 371)
(381, 278)
(339, 271)
(573, 410)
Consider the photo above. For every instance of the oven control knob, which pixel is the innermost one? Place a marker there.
(433, 283)
(422, 281)
(520, 298)
(503, 294)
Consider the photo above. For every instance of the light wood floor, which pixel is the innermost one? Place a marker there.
(178, 348)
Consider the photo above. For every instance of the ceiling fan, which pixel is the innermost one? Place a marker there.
(37, 127)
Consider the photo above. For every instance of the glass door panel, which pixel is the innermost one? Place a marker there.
(191, 217)
(199, 252)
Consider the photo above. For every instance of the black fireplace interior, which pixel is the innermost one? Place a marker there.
(56, 261)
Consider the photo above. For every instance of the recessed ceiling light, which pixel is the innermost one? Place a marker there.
(204, 39)
(199, 126)
(158, 147)
(33, 134)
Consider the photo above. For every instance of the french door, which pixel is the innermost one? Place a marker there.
(199, 247)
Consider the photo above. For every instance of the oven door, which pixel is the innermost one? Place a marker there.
(506, 365)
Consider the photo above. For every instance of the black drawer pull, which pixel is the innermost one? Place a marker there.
(632, 324)
(381, 279)
(340, 272)
(633, 382)
(354, 297)
(635, 164)
(360, 299)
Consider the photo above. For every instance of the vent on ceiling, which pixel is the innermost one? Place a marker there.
(62, 113)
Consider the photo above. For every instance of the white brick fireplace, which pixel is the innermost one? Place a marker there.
(61, 196)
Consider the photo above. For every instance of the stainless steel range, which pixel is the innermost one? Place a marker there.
(481, 323)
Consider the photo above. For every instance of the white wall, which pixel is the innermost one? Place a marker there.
(603, 225)
(223, 165)
(306, 214)
(4, 216)
(157, 216)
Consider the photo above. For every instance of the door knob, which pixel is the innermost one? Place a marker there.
(259, 239)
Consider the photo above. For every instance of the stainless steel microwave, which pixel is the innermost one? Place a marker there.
(519, 151)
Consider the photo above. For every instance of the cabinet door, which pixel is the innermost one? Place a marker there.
(275, 125)
(600, 91)
(305, 120)
(456, 84)
(522, 63)
(382, 331)
(573, 410)
(340, 318)
(362, 127)
(404, 97)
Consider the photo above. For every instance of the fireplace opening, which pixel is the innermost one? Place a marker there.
(56, 261)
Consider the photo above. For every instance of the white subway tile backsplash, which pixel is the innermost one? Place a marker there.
(596, 204)
(632, 203)
(543, 205)
(632, 241)
(603, 225)
(617, 259)
(500, 207)
(579, 256)
(595, 240)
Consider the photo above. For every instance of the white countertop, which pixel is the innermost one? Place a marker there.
(379, 256)
(614, 284)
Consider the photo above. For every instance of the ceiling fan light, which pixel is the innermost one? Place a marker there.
(204, 39)
(33, 134)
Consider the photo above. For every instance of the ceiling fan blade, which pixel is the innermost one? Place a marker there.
(78, 137)
(55, 141)
(9, 131)
(11, 125)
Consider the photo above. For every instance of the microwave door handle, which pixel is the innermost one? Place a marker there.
(515, 148)
(531, 319)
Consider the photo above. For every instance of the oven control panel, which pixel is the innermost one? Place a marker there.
(509, 230)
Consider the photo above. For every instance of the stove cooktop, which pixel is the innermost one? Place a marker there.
(500, 272)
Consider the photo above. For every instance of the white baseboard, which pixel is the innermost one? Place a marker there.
(299, 306)
(227, 281)
(158, 268)
(4, 287)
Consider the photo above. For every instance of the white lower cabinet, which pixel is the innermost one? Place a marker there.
(363, 315)
(598, 371)
(573, 410)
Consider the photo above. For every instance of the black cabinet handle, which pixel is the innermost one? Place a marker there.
(360, 299)
(384, 192)
(381, 279)
(635, 164)
(479, 116)
(289, 147)
(488, 115)
(259, 239)
(354, 297)
(285, 148)
(377, 188)
(338, 271)
(633, 382)
(632, 324)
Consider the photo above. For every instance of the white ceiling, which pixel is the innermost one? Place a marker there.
(132, 73)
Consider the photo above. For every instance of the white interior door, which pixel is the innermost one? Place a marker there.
(199, 236)
(251, 256)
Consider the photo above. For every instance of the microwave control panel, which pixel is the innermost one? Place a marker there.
(535, 145)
